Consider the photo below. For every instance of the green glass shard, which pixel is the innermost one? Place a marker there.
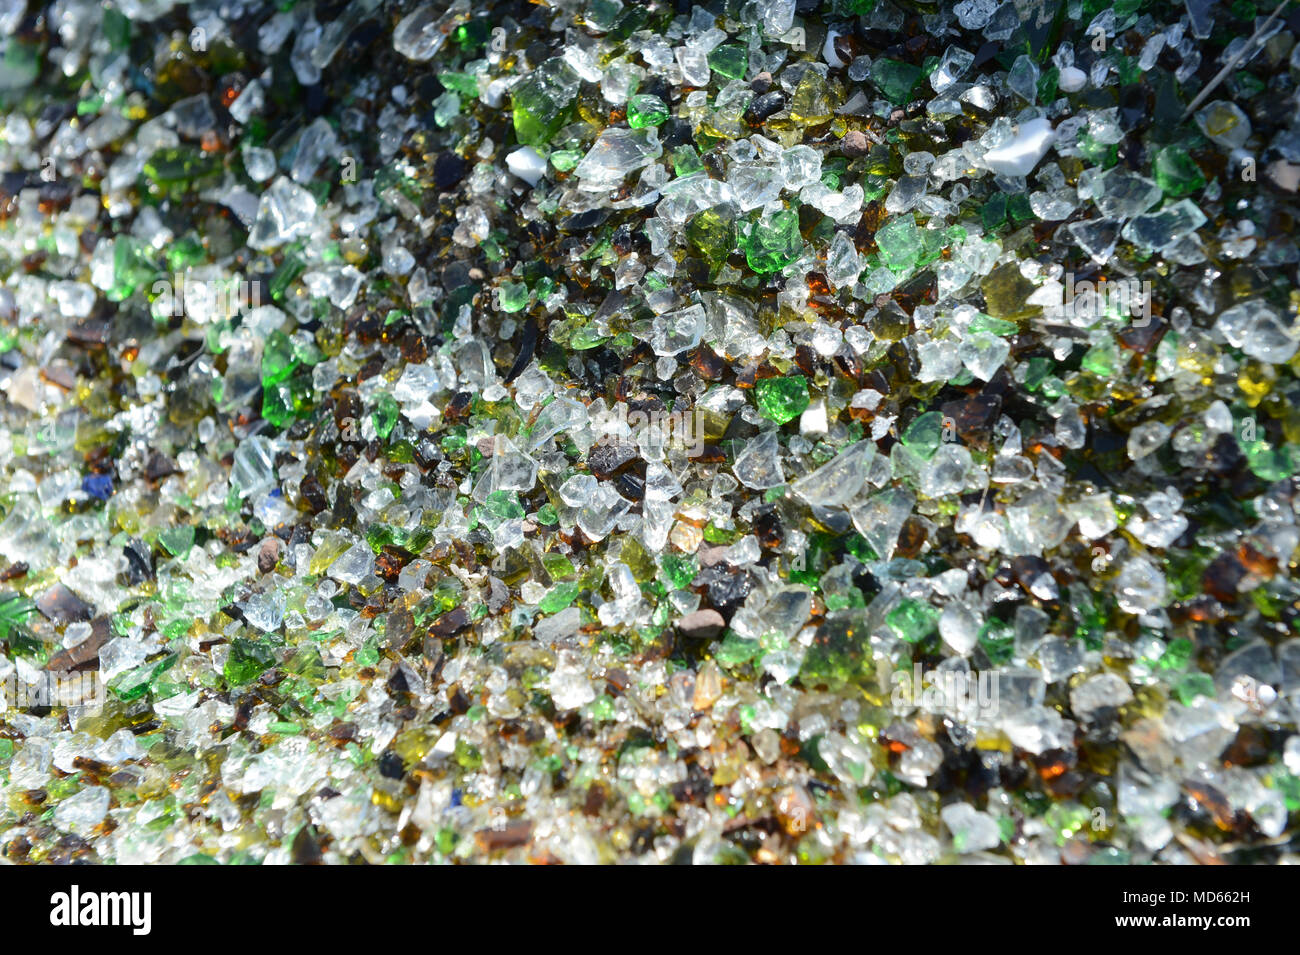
(730, 60)
(899, 241)
(1176, 172)
(895, 79)
(513, 296)
(385, 416)
(912, 620)
(542, 102)
(645, 110)
(679, 570)
(559, 597)
(924, 435)
(177, 540)
(773, 242)
(782, 399)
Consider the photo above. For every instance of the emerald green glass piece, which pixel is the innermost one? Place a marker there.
(1099, 154)
(994, 326)
(278, 359)
(466, 84)
(177, 540)
(513, 296)
(772, 243)
(368, 655)
(542, 102)
(679, 570)
(248, 659)
(994, 211)
(1037, 372)
(1269, 463)
(1102, 359)
(290, 267)
(117, 29)
(135, 683)
(730, 60)
(15, 610)
(998, 642)
(736, 651)
(895, 79)
(1177, 655)
(1192, 685)
(913, 620)
(1047, 84)
(131, 268)
(586, 338)
(501, 506)
(899, 241)
(473, 35)
(558, 597)
(1289, 787)
(184, 252)
(565, 159)
(645, 110)
(686, 161)
(385, 415)
(924, 435)
(379, 536)
(782, 399)
(1176, 172)
(284, 401)
(455, 440)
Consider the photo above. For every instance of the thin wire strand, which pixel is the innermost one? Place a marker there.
(1232, 63)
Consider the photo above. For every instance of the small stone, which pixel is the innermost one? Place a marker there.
(526, 163)
(1024, 151)
(1284, 175)
(701, 625)
(855, 144)
(268, 555)
(1072, 79)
